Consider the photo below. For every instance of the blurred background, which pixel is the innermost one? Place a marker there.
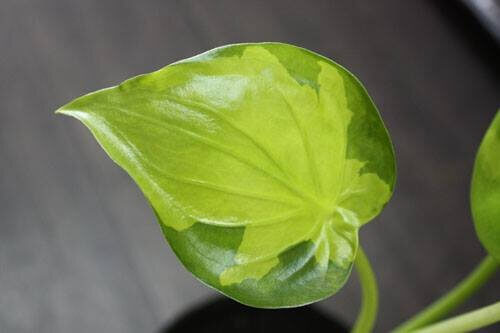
(80, 250)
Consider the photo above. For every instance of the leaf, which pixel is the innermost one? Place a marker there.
(485, 190)
(261, 162)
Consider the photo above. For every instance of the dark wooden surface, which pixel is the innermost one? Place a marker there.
(80, 250)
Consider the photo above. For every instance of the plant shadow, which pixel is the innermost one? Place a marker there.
(225, 315)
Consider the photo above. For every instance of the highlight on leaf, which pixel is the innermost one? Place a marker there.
(261, 162)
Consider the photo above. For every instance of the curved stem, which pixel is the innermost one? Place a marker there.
(466, 322)
(440, 308)
(369, 307)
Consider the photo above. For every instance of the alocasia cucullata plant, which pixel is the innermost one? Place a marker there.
(261, 162)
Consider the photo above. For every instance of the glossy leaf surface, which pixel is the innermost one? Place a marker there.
(485, 190)
(261, 162)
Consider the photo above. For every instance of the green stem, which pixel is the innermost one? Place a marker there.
(466, 322)
(443, 306)
(369, 307)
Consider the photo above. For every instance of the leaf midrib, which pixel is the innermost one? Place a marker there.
(220, 147)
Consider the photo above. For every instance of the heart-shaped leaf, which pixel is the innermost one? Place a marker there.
(261, 162)
(485, 190)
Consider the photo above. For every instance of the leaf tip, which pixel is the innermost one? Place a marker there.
(64, 110)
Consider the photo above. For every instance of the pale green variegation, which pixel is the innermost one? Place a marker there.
(485, 190)
(261, 162)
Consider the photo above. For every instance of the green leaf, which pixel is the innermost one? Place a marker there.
(485, 190)
(261, 162)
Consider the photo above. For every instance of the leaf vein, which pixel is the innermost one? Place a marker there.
(222, 188)
(217, 146)
(255, 223)
(305, 143)
(275, 253)
(204, 107)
